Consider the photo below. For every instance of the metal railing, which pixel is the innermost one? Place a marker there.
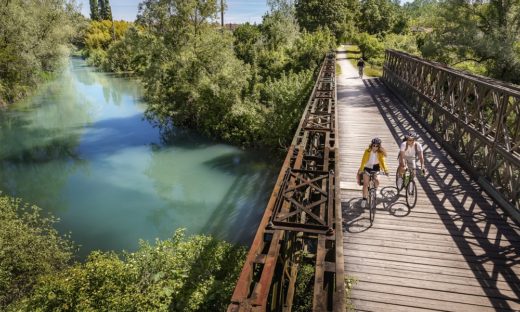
(302, 222)
(477, 119)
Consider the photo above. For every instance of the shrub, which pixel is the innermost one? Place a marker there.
(29, 248)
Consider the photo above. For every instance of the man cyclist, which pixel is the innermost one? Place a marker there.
(361, 66)
(374, 159)
(409, 150)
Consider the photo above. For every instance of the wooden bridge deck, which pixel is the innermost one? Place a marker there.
(455, 251)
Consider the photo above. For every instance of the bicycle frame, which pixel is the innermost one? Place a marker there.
(372, 192)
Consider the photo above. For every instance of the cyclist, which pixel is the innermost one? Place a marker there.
(361, 66)
(374, 159)
(409, 150)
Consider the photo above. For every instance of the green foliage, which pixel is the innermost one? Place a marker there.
(285, 98)
(407, 43)
(99, 37)
(130, 54)
(304, 287)
(29, 247)
(99, 34)
(246, 36)
(336, 15)
(81, 24)
(33, 39)
(105, 11)
(197, 273)
(100, 10)
(371, 47)
(379, 17)
(485, 33)
(350, 281)
(198, 86)
(176, 22)
(180, 274)
(94, 10)
(280, 30)
(310, 48)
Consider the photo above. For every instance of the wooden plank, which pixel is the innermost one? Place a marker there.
(435, 239)
(496, 260)
(444, 300)
(394, 302)
(437, 276)
(448, 263)
(427, 284)
(430, 269)
(412, 245)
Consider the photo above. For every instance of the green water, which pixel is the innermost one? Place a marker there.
(81, 149)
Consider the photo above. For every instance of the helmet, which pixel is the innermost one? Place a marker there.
(411, 135)
(376, 141)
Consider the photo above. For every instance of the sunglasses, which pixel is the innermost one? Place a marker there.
(411, 139)
(376, 145)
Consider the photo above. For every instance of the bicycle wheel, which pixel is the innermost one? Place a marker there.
(372, 205)
(411, 194)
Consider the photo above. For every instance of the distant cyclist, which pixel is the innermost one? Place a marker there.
(361, 66)
(409, 150)
(374, 159)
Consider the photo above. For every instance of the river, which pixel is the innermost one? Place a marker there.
(81, 149)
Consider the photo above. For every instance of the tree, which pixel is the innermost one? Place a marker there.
(484, 33)
(279, 29)
(105, 10)
(371, 47)
(94, 10)
(33, 40)
(246, 36)
(176, 21)
(378, 16)
(337, 15)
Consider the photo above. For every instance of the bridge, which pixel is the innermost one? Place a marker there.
(457, 249)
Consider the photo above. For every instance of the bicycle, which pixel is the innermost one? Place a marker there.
(372, 191)
(409, 184)
(360, 71)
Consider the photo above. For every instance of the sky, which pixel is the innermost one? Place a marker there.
(238, 11)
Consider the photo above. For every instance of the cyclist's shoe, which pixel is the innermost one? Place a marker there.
(363, 203)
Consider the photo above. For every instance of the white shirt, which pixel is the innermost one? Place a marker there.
(410, 151)
(372, 160)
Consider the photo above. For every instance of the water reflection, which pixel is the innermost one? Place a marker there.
(81, 149)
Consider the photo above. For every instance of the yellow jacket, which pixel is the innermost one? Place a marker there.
(380, 157)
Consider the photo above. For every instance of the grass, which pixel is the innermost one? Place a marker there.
(350, 281)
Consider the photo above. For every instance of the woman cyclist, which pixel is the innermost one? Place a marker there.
(409, 150)
(374, 159)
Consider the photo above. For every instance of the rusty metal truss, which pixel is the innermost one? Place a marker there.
(310, 207)
(476, 118)
(302, 222)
